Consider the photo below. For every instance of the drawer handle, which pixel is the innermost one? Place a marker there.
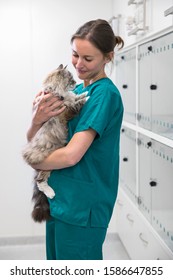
(153, 87)
(119, 202)
(138, 116)
(129, 218)
(153, 183)
(149, 144)
(150, 48)
(142, 239)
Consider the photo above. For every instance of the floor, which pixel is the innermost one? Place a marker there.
(113, 250)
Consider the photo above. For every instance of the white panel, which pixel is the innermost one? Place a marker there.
(145, 154)
(162, 193)
(144, 85)
(155, 85)
(126, 82)
(162, 68)
(128, 162)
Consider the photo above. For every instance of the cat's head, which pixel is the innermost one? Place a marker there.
(58, 81)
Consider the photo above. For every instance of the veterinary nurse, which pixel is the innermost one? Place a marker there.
(85, 172)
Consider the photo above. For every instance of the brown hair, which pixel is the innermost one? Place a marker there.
(100, 34)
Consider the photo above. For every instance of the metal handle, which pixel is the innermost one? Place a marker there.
(134, 2)
(131, 2)
(134, 31)
(129, 218)
(142, 239)
(168, 12)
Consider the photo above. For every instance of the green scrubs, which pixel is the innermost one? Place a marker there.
(68, 242)
(86, 192)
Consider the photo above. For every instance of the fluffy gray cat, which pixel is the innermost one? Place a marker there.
(51, 136)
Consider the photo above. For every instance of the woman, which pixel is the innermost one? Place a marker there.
(85, 172)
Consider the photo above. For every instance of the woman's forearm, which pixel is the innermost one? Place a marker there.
(69, 155)
(32, 131)
(56, 160)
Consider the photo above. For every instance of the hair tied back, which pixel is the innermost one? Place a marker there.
(119, 42)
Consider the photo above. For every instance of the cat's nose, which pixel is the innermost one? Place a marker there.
(61, 98)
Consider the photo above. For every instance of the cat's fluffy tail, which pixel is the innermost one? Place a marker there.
(41, 210)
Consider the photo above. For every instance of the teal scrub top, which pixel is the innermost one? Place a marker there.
(89, 188)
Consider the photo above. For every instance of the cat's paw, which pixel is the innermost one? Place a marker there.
(44, 187)
(82, 96)
(49, 192)
(86, 99)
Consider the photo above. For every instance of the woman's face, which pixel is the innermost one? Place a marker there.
(88, 61)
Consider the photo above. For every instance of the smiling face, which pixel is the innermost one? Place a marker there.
(88, 61)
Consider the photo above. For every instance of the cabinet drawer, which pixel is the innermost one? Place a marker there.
(136, 233)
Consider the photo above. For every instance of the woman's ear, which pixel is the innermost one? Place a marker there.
(109, 57)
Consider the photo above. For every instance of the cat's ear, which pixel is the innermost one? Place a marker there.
(60, 67)
(65, 67)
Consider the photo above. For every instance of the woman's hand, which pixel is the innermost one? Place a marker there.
(45, 106)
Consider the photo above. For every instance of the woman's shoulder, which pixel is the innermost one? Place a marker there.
(105, 86)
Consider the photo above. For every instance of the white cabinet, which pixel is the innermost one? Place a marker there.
(126, 82)
(137, 234)
(155, 186)
(162, 193)
(144, 153)
(145, 201)
(128, 162)
(155, 85)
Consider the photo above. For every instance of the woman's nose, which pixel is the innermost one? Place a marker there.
(79, 63)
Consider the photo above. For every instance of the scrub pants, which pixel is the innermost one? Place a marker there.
(69, 242)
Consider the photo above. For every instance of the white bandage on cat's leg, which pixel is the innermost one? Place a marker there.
(44, 187)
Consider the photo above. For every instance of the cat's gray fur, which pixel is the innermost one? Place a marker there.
(51, 136)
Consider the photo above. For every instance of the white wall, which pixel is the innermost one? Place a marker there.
(35, 38)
